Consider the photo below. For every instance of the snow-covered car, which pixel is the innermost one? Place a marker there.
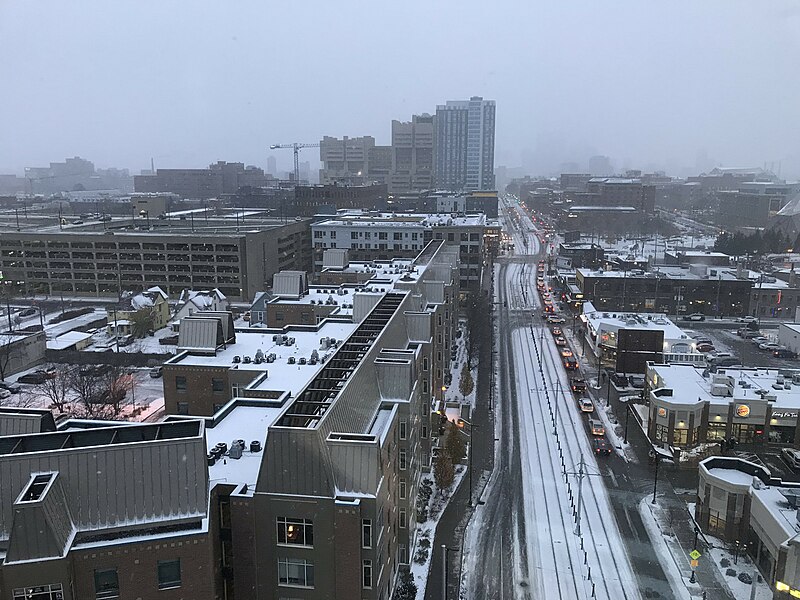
(4, 394)
(586, 405)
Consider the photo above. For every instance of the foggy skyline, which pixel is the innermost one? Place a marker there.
(651, 86)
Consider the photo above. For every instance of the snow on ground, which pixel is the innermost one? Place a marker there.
(663, 550)
(453, 398)
(723, 558)
(427, 530)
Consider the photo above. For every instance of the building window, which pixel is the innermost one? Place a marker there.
(180, 383)
(298, 532)
(217, 385)
(403, 519)
(169, 574)
(366, 533)
(183, 408)
(425, 363)
(403, 430)
(295, 572)
(106, 584)
(366, 573)
(402, 489)
(403, 554)
(425, 386)
(424, 432)
(403, 460)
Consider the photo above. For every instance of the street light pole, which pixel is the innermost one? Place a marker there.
(655, 478)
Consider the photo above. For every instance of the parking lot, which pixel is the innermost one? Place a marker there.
(770, 458)
(726, 340)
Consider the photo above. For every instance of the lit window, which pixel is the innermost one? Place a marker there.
(298, 532)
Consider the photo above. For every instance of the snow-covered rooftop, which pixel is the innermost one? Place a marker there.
(246, 423)
(617, 320)
(280, 375)
(421, 220)
(690, 385)
(67, 340)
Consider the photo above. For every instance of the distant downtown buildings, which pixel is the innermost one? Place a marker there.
(452, 149)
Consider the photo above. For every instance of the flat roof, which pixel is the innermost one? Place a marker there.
(663, 272)
(280, 375)
(600, 319)
(421, 220)
(690, 386)
(243, 422)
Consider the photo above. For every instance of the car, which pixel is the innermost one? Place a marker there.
(560, 341)
(105, 218)
(4, 394)
(784, 353)
(747, 319)
(636, 381)
(556, 330)
(747, 333)
(586, 405)
(555, 320)
(77, 222)
(705, 347)
(597, 427)
(578, 385)
(566, 353)
(570, 364)
(36, 378)
(601, 446)
(771, 346)
(725, 361)
(696, 317)
(27, 312)
(791, 456)
(716, 355)
(156, 372)
(760, 339)
(10, 387)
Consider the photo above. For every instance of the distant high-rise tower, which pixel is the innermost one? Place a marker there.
(412, 155)
(464, 140)
(272, 165)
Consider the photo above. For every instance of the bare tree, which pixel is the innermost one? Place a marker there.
(56, 389)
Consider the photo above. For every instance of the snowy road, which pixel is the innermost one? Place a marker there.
(523, 542)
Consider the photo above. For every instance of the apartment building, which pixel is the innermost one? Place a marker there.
(383, 236)
(104, 263)
(464, 144)
(310, 200)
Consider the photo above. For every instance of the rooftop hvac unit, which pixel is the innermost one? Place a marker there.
(291, 360)
(247, 360)
(290, 341)
(302, 360)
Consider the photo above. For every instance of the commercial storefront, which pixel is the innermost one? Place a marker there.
(690, 406)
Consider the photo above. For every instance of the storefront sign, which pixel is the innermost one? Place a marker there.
(783, 414)
(662, 412)
(742, 411)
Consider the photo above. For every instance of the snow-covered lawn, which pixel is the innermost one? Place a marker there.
(426, 531)
(453, 398)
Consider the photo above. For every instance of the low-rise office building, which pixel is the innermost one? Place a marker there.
(690, 406)
(671, 290)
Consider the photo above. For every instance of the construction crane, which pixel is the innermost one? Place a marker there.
(296, 147)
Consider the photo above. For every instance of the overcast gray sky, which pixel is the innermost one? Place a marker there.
(650, 84)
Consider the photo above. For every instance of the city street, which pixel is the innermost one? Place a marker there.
(523, 541)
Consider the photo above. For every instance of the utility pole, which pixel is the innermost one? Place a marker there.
(580, 475)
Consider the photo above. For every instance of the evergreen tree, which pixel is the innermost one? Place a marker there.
(466, 384)
(443, 471)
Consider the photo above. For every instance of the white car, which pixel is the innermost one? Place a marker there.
(4, 394)
(747, 319)
(769, 346)
(586, 405)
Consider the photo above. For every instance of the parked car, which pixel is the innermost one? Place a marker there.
(726, 361)
(791, 456)
(771, 346)
(783, 353)
(4, 394)
(586, 405)
(10, 387)
(705, 347)
(156, 372)
(27, 312)
(36, 377)
(759, 339)
(696, 317)
(747, 319)
(601, 446)
(636, 381)
(747, 333)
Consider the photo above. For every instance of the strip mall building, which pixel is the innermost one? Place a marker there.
(690, 406)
